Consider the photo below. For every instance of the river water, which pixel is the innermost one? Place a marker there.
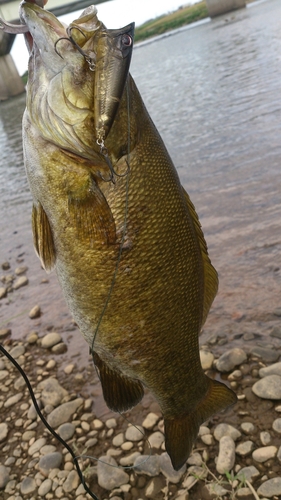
(214, 92)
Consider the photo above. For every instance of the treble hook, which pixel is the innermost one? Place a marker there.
(104, 153)
(70, 39)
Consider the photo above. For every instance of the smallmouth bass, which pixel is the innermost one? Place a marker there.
(111, 216)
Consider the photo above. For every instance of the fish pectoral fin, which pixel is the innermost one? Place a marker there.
(180, 433)
(210, 274)
(43, 238)
(91, 215)
(120, 392)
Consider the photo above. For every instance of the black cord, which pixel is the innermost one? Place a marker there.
(57, 436)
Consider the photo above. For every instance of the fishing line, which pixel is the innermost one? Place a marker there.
(52, 431)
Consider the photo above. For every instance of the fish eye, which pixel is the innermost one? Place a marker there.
(127, 40)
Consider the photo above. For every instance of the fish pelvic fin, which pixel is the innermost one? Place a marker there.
(210, 274)
(180, 433)
(119, 391)
(43, 238)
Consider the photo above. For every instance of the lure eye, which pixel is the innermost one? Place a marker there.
(126, 40)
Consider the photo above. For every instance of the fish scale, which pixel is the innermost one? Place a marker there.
(111, 216)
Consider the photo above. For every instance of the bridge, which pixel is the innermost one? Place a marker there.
(10, 82)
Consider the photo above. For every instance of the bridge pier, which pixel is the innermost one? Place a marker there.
(218, 7)
(11, 83)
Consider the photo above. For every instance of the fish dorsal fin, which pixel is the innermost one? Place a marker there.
(210, 274)
(43, 238)
(120, 392)
(91, 215)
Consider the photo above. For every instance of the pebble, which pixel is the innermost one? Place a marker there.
(3, 292)
(50, 340)
(226, 430)
(109, 475)
(270, 488)
(230, 359)
(5, 266)
(3, 431)
(3, 374)
(4, 476)
(214, 490)
(61, 348)
(226, 457)
(45, 487)
(265, 453)
(69, 369)
(267, 355)
(248, 473)
(195, 459)
(64, 412)
(66, 431)
(130, 459)
(36, 446)
(276, 332)
(111, 423)
(28, 486)
(32, 338)
(17, 351)
(154, 487)
(22, 281)
(49, 462)
(206, 359)
(13, 400)
(150, 421)
(268, 387)
(276, 426)
(134, 433)
(167, 469)
(147, 464)
(128, 445)
(118, 440)
(35, 312)
(156, 439)
(72, 482)
(265, 438)
(244, 448)
(274, 369)
(20, 270)
(52, 392)
(248, 427)
(207, 439)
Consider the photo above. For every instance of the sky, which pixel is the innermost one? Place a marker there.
(114, 14)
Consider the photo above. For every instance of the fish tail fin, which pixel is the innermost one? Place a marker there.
(181, 432)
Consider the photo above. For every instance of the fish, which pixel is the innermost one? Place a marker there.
(111, 216)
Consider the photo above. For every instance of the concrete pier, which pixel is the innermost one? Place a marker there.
(218, 7)
(10, 82)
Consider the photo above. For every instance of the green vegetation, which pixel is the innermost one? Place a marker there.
(182, 16)
(24, 77)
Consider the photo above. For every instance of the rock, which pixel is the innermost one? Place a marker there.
(267, 355)
(226, 430)
(61, 348)
(45, 487)
(49, 462)
(265, 438)
(226, 457)
(147, 464)
(36, 446)
(207, 439)
(5, 266)
(4, 332)
(109, 475)
(213, 490)
(17, 351)
(276, 332)
(236, 375)
(64, 412)
(22, 281)
(3, 292)
(154, 487)
(268, 387)
(111, 423)
(32, 413)
(32, 338)
(35, 312)
(248, 474)
(195, 459)
(130, 459)
(274, 369)
(270, 488)
(135, 433)
(66, 431)
(156, 439)
(71, 482)
(244, 448)
(28, 486)
(3, 374)
(69, 369)
(230, 359)
(206, 359)
(13, 400)
(244, 493)
(248, 427)
(150, 421)
(52, 392)
(20, 270)
(277, 311)
(4, 476)
(167, 469)
(50, 340)
(263, 454)
(118, 440)
(276, 426)
(3, 431)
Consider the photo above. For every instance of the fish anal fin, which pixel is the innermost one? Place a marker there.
(210, 274)
(180, 433)
(91, 215)
(43, 238)
(119, 391)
